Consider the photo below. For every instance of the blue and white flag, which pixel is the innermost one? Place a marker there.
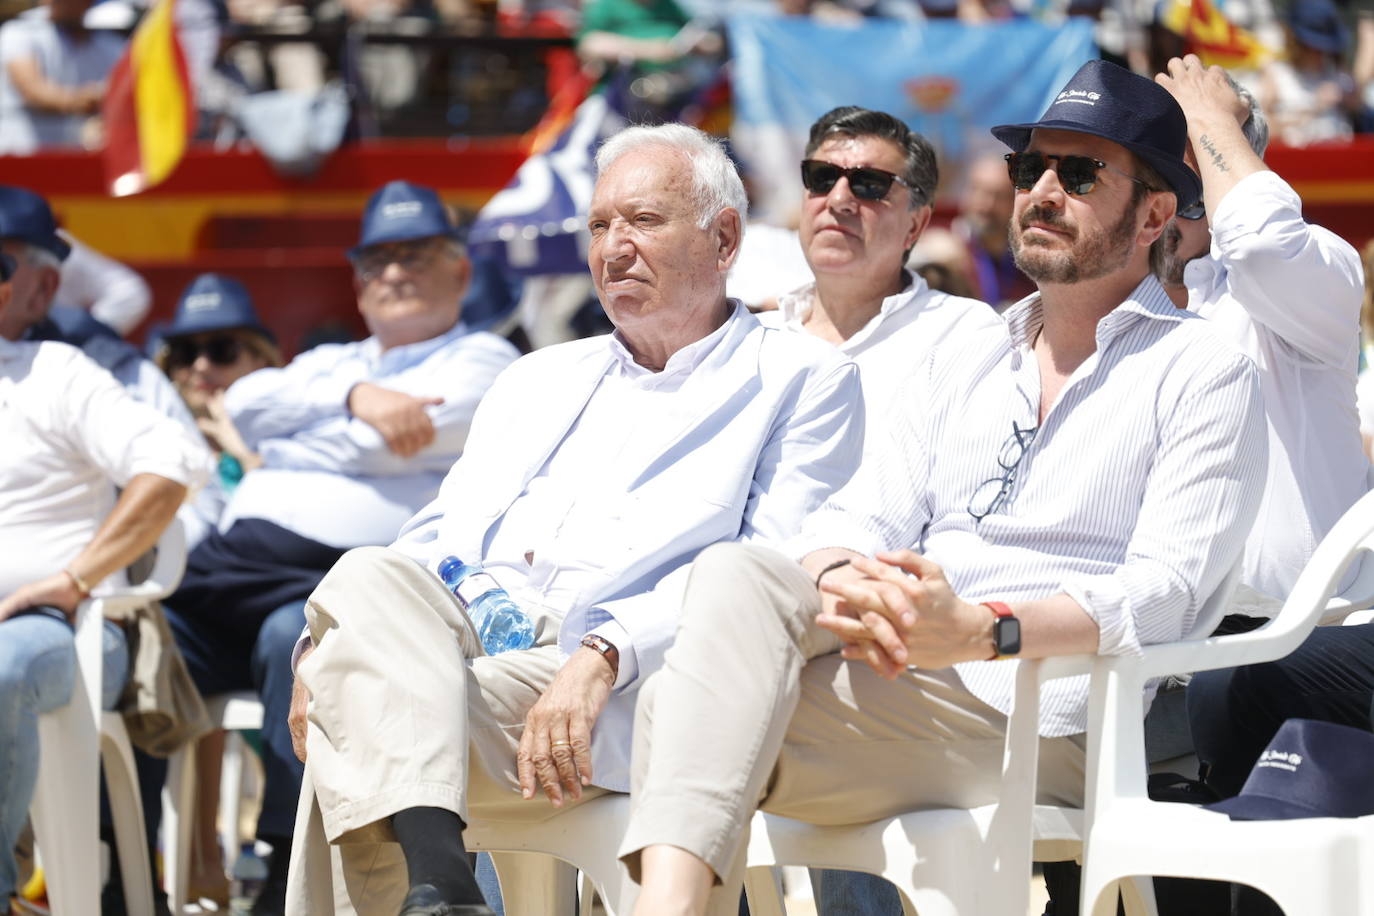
(946, 79)
(538, 223)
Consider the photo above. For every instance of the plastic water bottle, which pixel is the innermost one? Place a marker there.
(500, 623)
(246, 881)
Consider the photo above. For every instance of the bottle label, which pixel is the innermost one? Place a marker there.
(474, 586)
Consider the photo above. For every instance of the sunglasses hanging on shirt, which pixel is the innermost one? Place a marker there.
(865, 183)
(221, 350)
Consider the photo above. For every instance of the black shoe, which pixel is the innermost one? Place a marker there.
(424, 900)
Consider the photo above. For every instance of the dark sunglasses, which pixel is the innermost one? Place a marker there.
(1195, 210)
(1077, 174)
(222, 350)
(865, 183)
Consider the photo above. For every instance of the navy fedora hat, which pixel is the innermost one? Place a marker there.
(400, 211)
(27, 217)
(1108, 101)
(1309, 769)
(213, 302)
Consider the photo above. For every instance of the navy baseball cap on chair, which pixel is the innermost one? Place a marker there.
(400, 211)
(1111, 102)
(214, 303)
(1309, 769)
(27, 217)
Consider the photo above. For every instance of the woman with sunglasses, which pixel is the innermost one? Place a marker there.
(214, 340)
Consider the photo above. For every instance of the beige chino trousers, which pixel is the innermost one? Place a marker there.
(754, 707)
(405, 711)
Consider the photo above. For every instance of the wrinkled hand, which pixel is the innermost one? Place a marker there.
(57, 590)
(399, 417)
(1202, 92)
(556, 748)
(296, 717)
(904, 613)
(224, 435)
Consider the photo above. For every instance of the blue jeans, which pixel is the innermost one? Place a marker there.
(854, 893)
(37, 674)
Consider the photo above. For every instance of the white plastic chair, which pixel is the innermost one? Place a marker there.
(537, 863)
(74, 740)
(1316, 865)
(951, 861)
(233, 712)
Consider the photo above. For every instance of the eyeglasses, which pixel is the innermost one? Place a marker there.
(221, 350)
(413, 255)
(1195, 210)
(1077, 174)
(865, 183)
(992, 493)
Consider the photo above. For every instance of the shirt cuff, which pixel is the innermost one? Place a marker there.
(305, 642)
(1101, 597)
(1252, 204)
(615, 633)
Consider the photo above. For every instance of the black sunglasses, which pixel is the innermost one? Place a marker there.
(222, 350)
(1077, 174)
(1195, 210)
(865, 183)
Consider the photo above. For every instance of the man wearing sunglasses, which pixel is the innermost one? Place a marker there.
(353, 439)
(869, 185)
(1077, 481)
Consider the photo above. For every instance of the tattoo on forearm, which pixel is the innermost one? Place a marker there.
(1217, 159)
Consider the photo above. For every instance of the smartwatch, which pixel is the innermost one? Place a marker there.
(1006, 631)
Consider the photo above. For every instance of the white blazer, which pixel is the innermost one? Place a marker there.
(759, 435)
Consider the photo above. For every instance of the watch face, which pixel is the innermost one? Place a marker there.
(1008, 634)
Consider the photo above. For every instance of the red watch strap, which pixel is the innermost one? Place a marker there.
(999, 609)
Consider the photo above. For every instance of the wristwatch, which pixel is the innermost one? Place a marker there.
(607, 649)
(1006, 631)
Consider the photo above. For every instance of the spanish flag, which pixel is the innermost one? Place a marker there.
(1213, 37)
(149, 108)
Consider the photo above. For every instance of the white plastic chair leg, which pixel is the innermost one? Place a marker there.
(231, 795)
(763, 887)
(178, 824)
(66, 808)
(126, 809)
(536, 885)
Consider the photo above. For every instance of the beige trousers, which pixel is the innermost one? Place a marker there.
(754, 707)
(405, 711)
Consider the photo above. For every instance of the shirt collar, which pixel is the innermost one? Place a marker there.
(685, 360)
(795, 307)
(1147, 300)
(409, 354)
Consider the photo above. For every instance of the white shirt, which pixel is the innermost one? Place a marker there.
(894, 343)
(614, 479)
(1133, 498)
(61, 60)
(329, 476)
(70, 434)
(1288, 294)
(110, 291)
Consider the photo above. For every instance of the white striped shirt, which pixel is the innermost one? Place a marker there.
(1134, 497)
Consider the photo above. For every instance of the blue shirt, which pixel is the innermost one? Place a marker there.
(329, 476)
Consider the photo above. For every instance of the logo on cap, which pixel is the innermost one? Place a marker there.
(1078, 96)
(1282, 760)
(200, 302)
(401, 209)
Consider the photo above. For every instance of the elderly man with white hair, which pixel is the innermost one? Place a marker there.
(594, 473)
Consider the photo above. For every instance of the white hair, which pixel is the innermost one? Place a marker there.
(716, 184)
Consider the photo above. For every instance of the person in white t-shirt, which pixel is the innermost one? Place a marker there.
(71, 434)
(52, 76)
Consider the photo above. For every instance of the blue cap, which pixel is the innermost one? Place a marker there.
(27, 217)
(401, 211)
(1309, 769)
(1317, 24)
(214, 303)
(1111, 102)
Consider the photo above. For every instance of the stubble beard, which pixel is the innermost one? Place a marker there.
(1092, 256)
